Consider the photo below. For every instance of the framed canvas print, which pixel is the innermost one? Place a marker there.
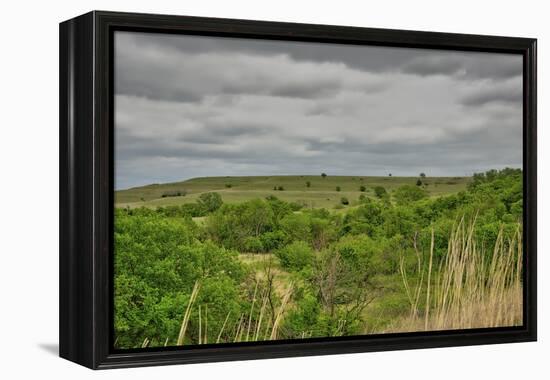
(236, 189)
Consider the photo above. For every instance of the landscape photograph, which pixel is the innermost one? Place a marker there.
(273, 190)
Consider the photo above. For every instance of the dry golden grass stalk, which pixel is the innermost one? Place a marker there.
(280, 312)
(200, 325)
(205, 340)
(472, 290)
(223, 327)
(427, 315)
(265, 299)
(185, 322)
(238, 334)
(251, 310)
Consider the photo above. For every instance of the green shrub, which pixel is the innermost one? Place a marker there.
(174, 193)
(379, 191)
(273, 240)
(253, 244)
(210, 201)
(295, 256)
(407, 193)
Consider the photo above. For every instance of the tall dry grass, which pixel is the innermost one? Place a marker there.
(470, 289)
(250, 327)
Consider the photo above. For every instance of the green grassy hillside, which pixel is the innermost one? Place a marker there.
(321, 192)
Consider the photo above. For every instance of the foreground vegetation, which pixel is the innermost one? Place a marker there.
(397, 259)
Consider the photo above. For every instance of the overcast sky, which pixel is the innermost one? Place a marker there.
(190, 106)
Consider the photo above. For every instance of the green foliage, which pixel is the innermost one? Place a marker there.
(380, 191)
(157, 261)
(344, 201)
(323, 175)
(344, 264)
(308, 184)
(233, 224)
(295, 256)
(253, 244)
(407, 194)
(210, 202)
(174, 193)
(362, 188)
(338, 188)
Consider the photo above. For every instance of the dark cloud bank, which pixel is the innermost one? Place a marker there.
(189, 106)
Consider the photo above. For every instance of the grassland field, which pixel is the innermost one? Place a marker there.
(321, 192)
(267, 270)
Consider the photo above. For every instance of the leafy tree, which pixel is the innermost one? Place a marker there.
(338, 188)
(344, 201)
(296, 255)
(308, 184)
(407, 193)
(323, 175)
(423, 175)
(210, 201)
(362, 188)
(418, 183)
(253, 244)
(280, 188)
(157, 262)
(232, 224)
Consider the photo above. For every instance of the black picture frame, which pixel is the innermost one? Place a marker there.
(86, 188)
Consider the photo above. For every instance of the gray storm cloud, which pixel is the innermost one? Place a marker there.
(188, 106)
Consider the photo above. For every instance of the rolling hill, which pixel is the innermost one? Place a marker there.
(322, 192)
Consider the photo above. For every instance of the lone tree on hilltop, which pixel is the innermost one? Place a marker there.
(423, 175)
(323, 175)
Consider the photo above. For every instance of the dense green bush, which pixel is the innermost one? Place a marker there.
(380, 191)
(295, 256)
(210, 202)
(407, 194)
(157, 262)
